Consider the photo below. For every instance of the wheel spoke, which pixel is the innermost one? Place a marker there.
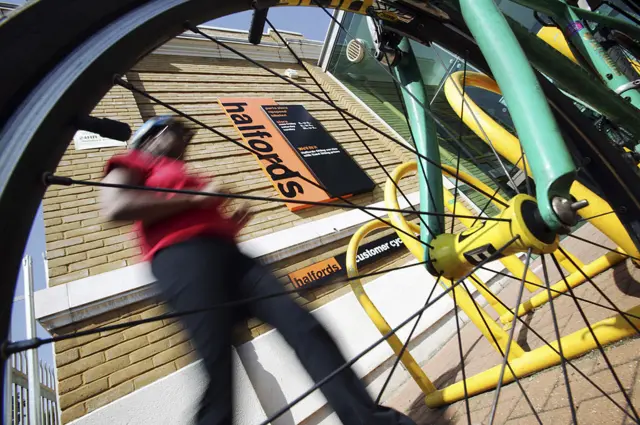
(510, 340)
(563, 362)
(406, 344)
(624, 254)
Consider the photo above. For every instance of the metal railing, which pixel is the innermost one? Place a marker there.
(20, 412)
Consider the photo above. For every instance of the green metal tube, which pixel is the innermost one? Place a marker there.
(550, 161)
(595, 54)
(426, 138)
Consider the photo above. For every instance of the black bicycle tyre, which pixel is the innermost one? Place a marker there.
(93, 41)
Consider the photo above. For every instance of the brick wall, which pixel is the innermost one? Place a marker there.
(96, 370)
(79, 241)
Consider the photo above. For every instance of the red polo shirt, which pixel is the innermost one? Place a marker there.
(171, 174)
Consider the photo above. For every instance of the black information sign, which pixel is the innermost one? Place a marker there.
(325, 158)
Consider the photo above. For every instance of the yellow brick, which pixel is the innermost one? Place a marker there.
(120, 238)
(78, 203)
(155, 311)
(60, 213)
(52, 237)
(73, 413)
(67, 357)
(154, 375)
(109, 396)
(104, 250)
(131, 243)
(68, 259)
(75, 190)
(57, 271)
(80, 366)
(149, 350)
(87, 232)
(101, 344)
(130, 372)
(64, 243)
(172, 353)
(105, 369)
(83, 393)
(70, 384)
(84, 247)
(52, 221)
(87, 208)
(79, 217)
(97, 220)
(165, 332)
(101, 235)
(186, 359)
(107, 267)
(143, 329)
(63, 227)
(126, 347)
(62, 346)
(178, 338)
(91, 262)
(70, 277)
(125, 253)
(55, 253)
(50, 206)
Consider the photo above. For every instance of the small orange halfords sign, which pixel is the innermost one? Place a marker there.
(315, 272)
(276, 156)
(319, 273)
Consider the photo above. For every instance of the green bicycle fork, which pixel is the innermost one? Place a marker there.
(547, 155)
(426, 138)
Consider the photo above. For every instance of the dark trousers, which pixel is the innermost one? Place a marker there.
(203, 272)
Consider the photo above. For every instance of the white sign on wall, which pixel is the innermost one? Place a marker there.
(88, 140)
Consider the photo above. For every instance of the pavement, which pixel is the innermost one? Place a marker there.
(546, 391)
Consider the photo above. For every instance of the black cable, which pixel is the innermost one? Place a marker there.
(333, 374)
(19, 346)
(52, 179)
(396, 184)
(368, 125)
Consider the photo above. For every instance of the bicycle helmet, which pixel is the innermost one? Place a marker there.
(154, 126)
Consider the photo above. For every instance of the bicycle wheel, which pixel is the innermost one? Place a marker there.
(72, 72)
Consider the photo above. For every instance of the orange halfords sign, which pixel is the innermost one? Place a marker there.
(303, 161)
(318, 273)
(276, 156)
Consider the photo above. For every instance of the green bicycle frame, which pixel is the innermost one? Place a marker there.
(570, 21)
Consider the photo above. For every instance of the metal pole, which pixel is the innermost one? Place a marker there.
(33, 369)
(8, 394)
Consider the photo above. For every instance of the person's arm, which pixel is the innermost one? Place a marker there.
(128, 204)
